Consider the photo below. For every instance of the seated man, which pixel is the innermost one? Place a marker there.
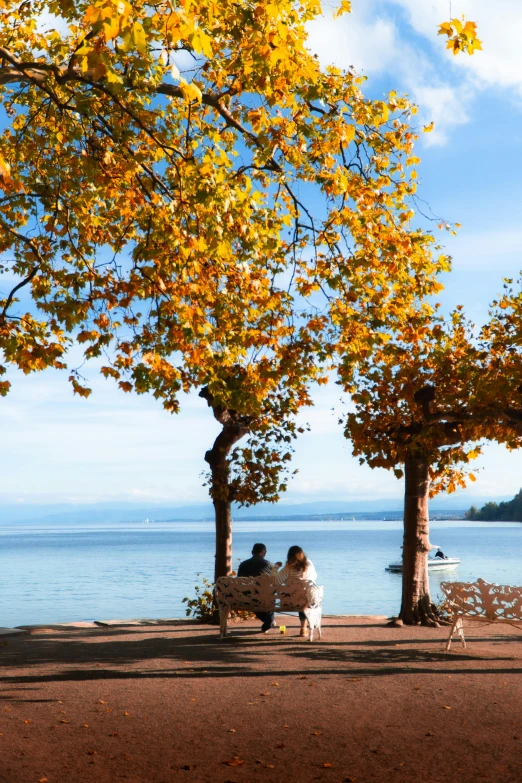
(255, 566)
(440, 553)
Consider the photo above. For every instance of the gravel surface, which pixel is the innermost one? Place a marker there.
(173, 703)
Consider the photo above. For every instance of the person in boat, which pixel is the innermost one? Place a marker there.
(297, 566)
(439, 553)
(255, 566)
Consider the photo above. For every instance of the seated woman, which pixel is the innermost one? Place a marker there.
(297, 566)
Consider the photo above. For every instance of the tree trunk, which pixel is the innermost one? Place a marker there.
(217, 458)
(416, 608)
(234, 427)
(223, 518)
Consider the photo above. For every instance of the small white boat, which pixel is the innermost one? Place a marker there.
(434, 563)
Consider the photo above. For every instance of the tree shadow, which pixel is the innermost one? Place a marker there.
(102, 654)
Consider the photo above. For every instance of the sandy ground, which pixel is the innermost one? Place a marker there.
(173, 703)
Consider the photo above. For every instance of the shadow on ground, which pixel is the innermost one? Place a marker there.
(190, 653)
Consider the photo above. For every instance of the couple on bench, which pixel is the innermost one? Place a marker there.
(297, 566)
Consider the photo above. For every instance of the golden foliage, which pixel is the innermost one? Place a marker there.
(462, 36)
(429, 392)
(185, 191)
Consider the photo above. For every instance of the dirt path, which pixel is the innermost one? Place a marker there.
(172, 703)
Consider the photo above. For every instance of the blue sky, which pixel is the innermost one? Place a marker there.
(116, 447)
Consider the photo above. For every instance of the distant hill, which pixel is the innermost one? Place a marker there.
(120, 512)
(509, 511)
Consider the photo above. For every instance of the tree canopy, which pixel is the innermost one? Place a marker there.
(163, 165)
(425, 393)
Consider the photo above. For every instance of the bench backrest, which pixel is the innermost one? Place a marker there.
(259, 594)
(482, 599)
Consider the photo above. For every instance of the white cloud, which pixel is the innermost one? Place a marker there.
(344, 42)
(443, 105)
(497, 249)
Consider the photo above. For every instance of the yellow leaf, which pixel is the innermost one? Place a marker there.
(234, 762)
(139, 37)
(111, 27)
(344, 8)
(191, 92)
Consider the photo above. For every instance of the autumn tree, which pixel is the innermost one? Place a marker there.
(188, 192)
(422, 406)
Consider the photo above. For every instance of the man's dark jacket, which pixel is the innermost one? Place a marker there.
(254, 566)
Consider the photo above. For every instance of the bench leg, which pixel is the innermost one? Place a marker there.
(460, 631)
(458, 627)
(223, 619)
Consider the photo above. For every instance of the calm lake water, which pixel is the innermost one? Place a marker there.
(94, 572)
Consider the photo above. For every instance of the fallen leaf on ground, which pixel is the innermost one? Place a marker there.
(43, 780)
(127, 714)
(316, 733)
(91, 752)
(27, 721)
(85, 726)
(264, 694)
(113, 734)
(100, 701)
(446, 707)
(275, 684)
(429, 734)
(231, 730)
(327, 764)
(64, 721)
(270, 766)
(349, 780)
(234, 762)
(193, 700)
(281, 745)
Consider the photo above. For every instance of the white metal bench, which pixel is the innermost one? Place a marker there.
(484, 602)
(259, 594)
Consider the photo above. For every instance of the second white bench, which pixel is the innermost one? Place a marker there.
(482, 601)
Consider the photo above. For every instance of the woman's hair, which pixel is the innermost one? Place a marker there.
(297, 558)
